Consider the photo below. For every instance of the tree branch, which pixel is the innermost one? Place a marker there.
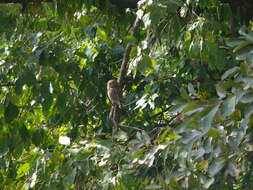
(123, 71)
(126, 57)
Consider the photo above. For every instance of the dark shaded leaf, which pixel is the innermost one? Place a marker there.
(11, 112)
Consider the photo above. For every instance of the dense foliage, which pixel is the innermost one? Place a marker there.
(187, 96)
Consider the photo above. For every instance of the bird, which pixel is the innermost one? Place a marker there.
(113, 92)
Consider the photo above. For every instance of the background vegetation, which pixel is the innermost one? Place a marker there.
(187, 95)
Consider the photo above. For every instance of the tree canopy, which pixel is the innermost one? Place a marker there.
(185, 71)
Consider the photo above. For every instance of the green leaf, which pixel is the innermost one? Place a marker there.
(1, 109)
(130, 39)
(191, 136)
(198, 153)
(4, 148)
(208, 182)
(194, 50)
(11, 112)
(24, 133)
(235, 43)
(70, 178)
(102, 34)
(221, 92)
(228, 106)
(191, 88)
(144, 64)
(243, 52)
(153, 187)
(207, 120)
(216, 167)
(29, 78)
(184, 94)
(23, 170)
(230, 72)
(61, 103)
(192, 108)
(202, 165)
(37, 137)
(47, 102)
(247, 98)
(19, 86)
(43, 58)
(248, 36)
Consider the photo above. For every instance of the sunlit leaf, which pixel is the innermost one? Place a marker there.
(202, 165)
(102, 34)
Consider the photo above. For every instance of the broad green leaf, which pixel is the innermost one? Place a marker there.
(37, 137)
(191, 88)
(230, 72)
(102, 34)
(192, 108)
(23, 170)
(216, 167)
(24, 133)
(61, 103)
(11, 112)
(187, 36)
(206, 121)
(47, 103)
(202, 165)
(184, 94)
(194, 50)
(29, 78)
(228, 106)
(234, 43)
(69, 179)
(43, 58)
(242, 54)
(208, 183)
(248, 36)
(19, 85)
(208, 145)
(250, 58)
(241, 46)
(153, 187)
(191, 136)
(1, 109)
(121, 135)
(130, 39)
(198, 153)
(4, 148)
(144, 64)
(247, 98)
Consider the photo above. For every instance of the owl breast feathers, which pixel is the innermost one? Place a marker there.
(113, 92)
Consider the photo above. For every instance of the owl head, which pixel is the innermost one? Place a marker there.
(112, 84)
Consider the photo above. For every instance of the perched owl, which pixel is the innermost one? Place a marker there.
(113, 92)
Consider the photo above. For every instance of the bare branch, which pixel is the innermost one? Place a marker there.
(126, 57)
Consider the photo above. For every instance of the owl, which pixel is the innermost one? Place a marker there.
(113, 92)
